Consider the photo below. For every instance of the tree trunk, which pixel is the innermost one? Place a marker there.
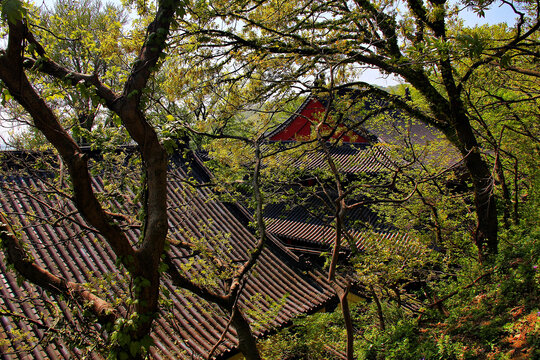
(348, 321)
(456, 125)
(246, 340)
(486, 209)
(380, 313)
(507, 207)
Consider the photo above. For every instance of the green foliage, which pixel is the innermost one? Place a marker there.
(120, 339)
(492, 312)
(13, 10)
(400, 341)
(306, 338)
(217, 86)
(265, 320)
(85, 37)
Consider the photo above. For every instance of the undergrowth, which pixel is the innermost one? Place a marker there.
(489, 312)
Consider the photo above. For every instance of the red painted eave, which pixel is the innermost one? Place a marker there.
(299, 127)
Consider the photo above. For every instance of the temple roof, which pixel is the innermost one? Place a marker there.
(187, 326)
(300, 125)
(356, 151)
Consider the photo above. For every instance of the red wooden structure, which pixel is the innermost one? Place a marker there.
(300, 125)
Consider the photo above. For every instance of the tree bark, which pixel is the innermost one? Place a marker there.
(344, 302)
(507, 207)
(246, 340)
(485, 203)
(380, 313)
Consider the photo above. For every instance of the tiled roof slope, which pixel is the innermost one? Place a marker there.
(187, 328)
(323, 235)
(349, 159)
(309, 225)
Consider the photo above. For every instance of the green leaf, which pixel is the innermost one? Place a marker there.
(13, 10)
(134, 348)
(114, 337)
(473, 45)
(506, 60)
(116, 120)
(123, 339)
(146, 342)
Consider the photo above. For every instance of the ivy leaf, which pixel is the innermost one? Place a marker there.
(146, 342)
(134, 348)
(13, 10)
